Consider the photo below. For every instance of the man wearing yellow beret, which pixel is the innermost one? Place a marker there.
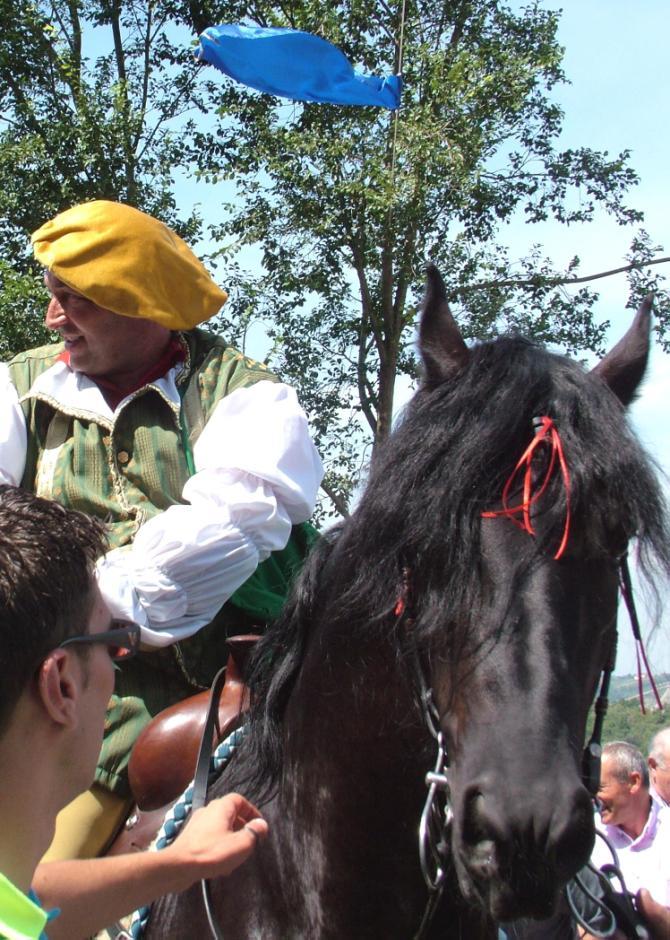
(197, 458)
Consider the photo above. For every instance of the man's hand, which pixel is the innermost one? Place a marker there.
(656, 918)
(219, 837)
(655, 915)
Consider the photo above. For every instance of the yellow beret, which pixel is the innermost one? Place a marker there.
(129, 263)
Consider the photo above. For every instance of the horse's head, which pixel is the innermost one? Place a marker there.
(514, 649)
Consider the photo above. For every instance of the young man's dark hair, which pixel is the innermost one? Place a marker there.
(47, 554)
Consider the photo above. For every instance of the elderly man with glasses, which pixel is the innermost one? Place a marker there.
(58, 645)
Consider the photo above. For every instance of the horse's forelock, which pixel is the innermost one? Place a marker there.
(449, 459)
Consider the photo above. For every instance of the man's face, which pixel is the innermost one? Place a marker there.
(101, 344)
(614, 795)
(660, 775)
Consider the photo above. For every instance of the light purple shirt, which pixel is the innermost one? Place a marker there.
(645, 861)
(655, 795)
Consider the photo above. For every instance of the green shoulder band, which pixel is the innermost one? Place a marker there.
(263, 594)
(20, 918)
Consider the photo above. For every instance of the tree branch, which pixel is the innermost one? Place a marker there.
(540, 281)
(338, 502)
(146, 70)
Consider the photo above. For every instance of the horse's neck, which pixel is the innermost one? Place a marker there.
(350, 771)
(354, 706)
(342, 857)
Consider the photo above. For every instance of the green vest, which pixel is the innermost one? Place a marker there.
(126, 470)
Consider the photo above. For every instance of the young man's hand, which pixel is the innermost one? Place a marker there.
(219, 837)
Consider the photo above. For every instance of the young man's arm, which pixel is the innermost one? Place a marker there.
(95, 893)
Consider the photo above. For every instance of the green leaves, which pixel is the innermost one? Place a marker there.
(338, 208)
(24, 301)
(95, 119)
(349, 204)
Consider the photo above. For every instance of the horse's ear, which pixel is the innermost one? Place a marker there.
(442, 347)
(624, 366)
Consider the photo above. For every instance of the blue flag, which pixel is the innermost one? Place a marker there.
(292, 64)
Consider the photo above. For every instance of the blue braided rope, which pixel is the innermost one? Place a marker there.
(178, 814)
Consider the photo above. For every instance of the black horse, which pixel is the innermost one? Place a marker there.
(430, 606)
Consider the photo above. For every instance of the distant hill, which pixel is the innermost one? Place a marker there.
(624, 720)
(626, 686)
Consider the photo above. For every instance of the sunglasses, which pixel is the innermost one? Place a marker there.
(123, 641)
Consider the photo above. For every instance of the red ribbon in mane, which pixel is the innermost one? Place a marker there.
(546, 433)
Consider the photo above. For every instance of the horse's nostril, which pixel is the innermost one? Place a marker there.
(478, 825)
(472, 817)
(482, 861)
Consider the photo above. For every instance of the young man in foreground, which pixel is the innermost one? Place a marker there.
(57, 644)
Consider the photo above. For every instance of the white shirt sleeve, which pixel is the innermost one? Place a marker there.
(257, 474)
(13, 437)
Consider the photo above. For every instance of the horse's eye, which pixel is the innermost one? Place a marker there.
(617, 540)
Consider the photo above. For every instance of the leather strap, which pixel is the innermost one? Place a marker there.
(201, 778)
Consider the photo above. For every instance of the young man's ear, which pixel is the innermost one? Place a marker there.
(59, 686)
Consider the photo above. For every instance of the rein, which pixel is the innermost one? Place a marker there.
(626, 588)
(201, 780)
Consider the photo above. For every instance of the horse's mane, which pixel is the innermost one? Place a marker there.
(445, 463)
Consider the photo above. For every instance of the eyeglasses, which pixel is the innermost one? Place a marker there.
(123, 641)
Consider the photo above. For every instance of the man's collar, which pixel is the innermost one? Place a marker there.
(174, 353)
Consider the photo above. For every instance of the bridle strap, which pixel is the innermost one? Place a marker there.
(593, 750)
(201, 779)
(436, 813)
(626, 587)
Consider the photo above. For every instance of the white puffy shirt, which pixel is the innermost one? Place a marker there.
(241, 502)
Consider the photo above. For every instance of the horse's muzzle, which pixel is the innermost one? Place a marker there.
(515, 864)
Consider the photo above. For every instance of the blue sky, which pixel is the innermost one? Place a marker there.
(616, 57)
(616, 61)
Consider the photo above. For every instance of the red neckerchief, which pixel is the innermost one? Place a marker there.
(114, 393)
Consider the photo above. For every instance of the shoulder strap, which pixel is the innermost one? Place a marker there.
(192, 420)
